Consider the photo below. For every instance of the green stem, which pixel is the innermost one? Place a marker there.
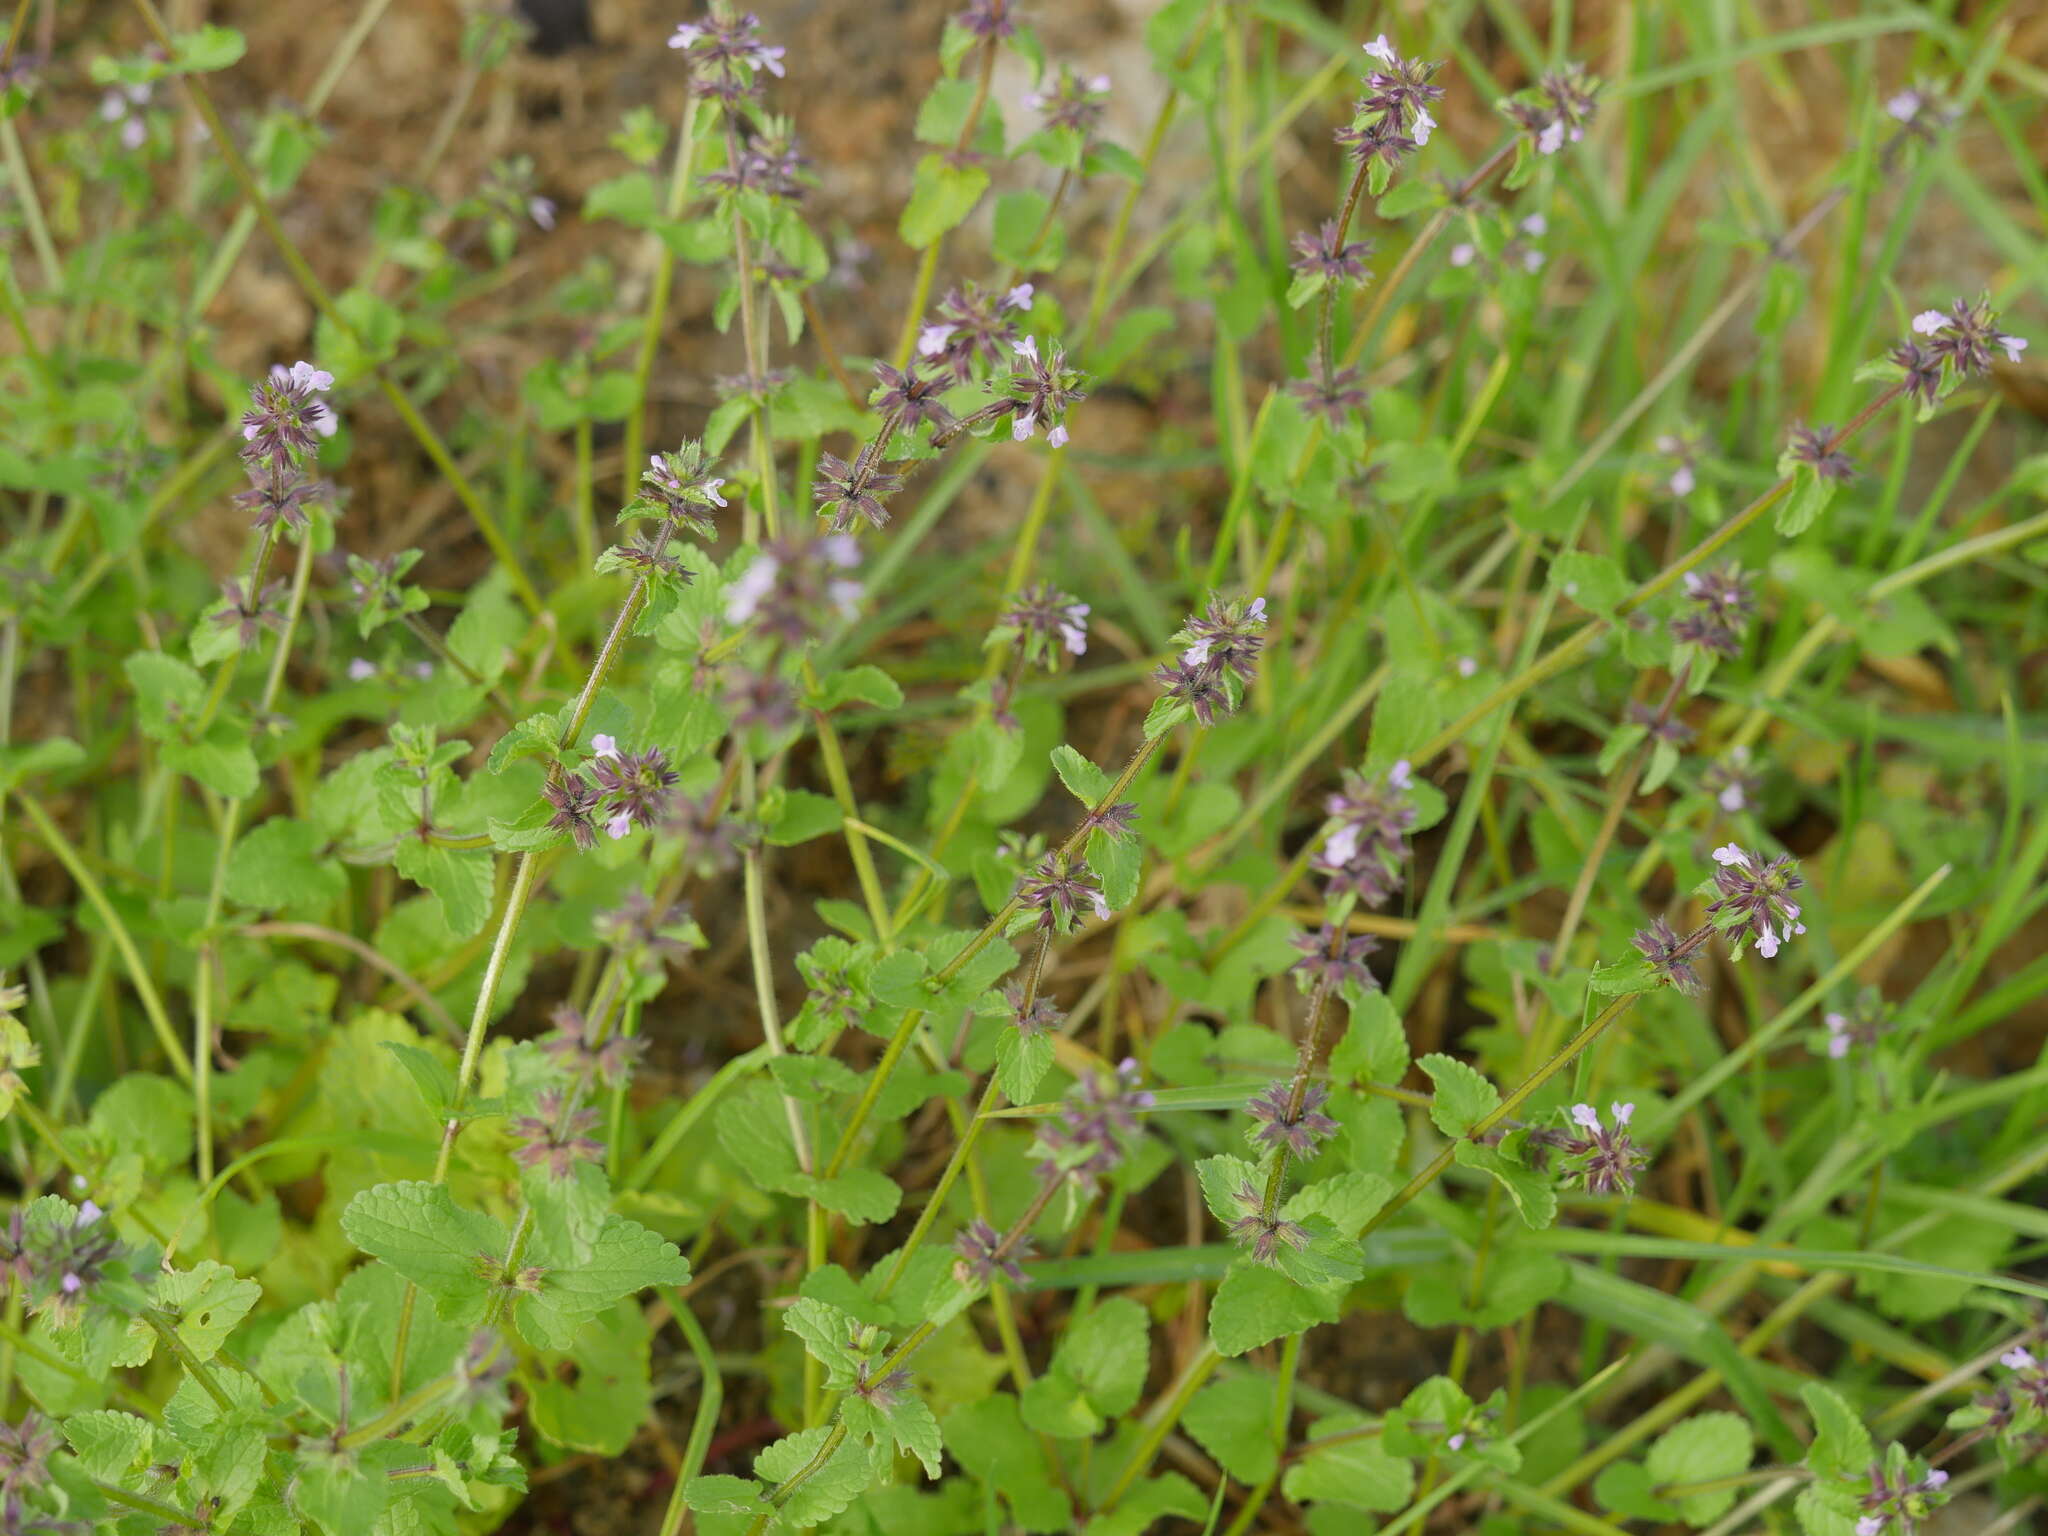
(657, 296)
(1161, 1421)
(710, 1397)
(309, 283)
(1505, 1109)
(131, 957)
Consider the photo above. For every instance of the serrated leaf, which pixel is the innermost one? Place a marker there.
(1233, 1421)
(1841, 1445)
(1463, 1096)
(1701, 1449)
(1255, 1305)
(109, 1443)
(1535, 1201)
(1221, 1178)
(460, 878)
(282, 863)
(419, 1230)
(625, 1259)
(1357, 1473)
(204, 1304)
(941, 196)
(1085, 782)
(1021, 1063)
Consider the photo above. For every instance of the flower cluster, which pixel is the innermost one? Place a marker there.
(1335, 958)
(675, 488)
(1058, 895)
(1335, 395)
(1391, 120)
(845, 492)
(767, 162)
(1604, 1161)
(1367, 842)
(1754, 899)
(1072, 101)
(969, 323)
(1733, 780)
(631, 790)
(1299, 1133)
(728, 56)
(1815, 447)
(1327, 255)
(1039, 393)
(1681, 453)
(1261, 1232)
(287, 419)
(1899, 1502)
(794, 585)
(983, 1255)
(554, 1138)
(1719, 605)
(1219, 658)
(1556, 109)
(1669, 957)
(1964, 335)
(1099, 1114)
(911, 397)
(1040, 1017)
(1860, 1025)
(25, 1454)
(573, 1047)
(56, 1255)
(1047, 624)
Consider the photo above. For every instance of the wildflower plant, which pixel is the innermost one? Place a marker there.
(847, 820)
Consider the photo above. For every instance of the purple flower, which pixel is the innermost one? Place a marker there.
(794, 586)
(1681, 451)
(570, 1043)
(1719, 605)
(554, 1139)
(1300, 1133)
(1330, 956)
(1965, 334)
(1669, 956)
(1921, 111)
(1815, 448)
(1732, 781)
(1117, 822)
(989, 20)
(279, 493)
(758, 700)
(969, 324)
(728, 56)
(124, 104)
(1098, 1115)
(1556, 110)
(1200, 688)
(846, 491)
(1900, 1505)
(1263, 1235)
(1039, 393)
(249, 614)
(772, 165)
(1322, 254)
(1041, 1018)
(983, 1257)
(710, 840)
(575, 808)
(1400, 89)
(1072, 101)
(1058, 896)
(1755, 899)
(911, 397)
(286, 419)
(1367, 842)
(1378, 140)
(1861, 1025)
(677, 488)
(1919, 370)
(25, 1450)
(1606, 1160)
(1335, 397)
(1048, 625)
(633, 785)
(1227, 636)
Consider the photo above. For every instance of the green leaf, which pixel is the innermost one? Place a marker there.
(1221, 1178)
(1535, 1200)
(110, 1444)
(625, 1259)
(827, 1334)
(798, 815)
(942, 195)
(595, 1398)
(1841, 1445)
(419, 1230)
(1255, 1305)
(204, 1303)
(1407, 198)
(1808, 498)
(828, 1490)
(459, 877)
(1021, 1063)
(1147, 1504)
(1233, 1421)
(862, 1195)
(18, 765)
(859, 685)
(988, 1438)
(221, 760)
(1704, 1447)
(1358, 1474)
(724, 1495)
(1463, 1096)
(282, 864)
(206, 50)
(1086, 782)
(1595, 582)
